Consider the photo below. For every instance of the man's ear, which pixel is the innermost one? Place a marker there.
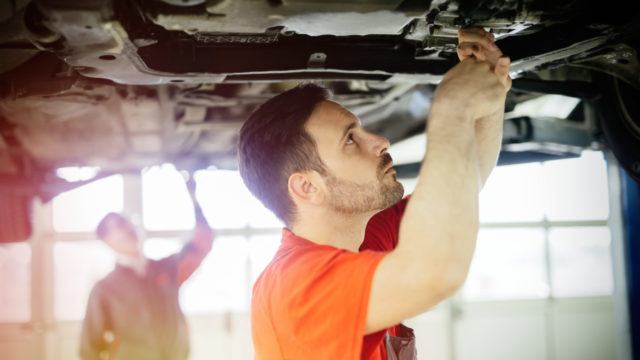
(304, 187)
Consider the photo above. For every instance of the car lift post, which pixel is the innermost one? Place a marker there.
(631, 215)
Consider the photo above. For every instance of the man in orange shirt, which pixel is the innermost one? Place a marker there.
(347, 273)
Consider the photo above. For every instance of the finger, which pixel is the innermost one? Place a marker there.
(502, 71)
(485, 39)
(502, 66)
(472, 30)
(466, 50)
(478, 31)
(476, 34)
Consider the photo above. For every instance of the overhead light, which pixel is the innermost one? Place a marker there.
(77, 173)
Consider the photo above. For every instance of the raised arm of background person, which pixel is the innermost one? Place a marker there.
(94, 327)
(197, 249)
(478, 43)
(439, 228)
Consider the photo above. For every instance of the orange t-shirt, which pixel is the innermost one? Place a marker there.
(311, 301)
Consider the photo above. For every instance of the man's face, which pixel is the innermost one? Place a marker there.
(361, 177)
(122, 236)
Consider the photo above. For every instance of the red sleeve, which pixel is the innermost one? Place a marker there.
(321, 303)
(382, 230)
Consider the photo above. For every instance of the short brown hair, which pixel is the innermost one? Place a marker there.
(274, 144)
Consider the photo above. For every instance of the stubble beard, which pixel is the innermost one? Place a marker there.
(347, 197)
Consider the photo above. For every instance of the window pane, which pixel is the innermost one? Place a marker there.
(576, 189)
(229, 204)
(508, 264)
(513, 193)
(82, 208)
(78, 265)
(261, 251)
(166, 204)
(158, 248)
(15, 282)
(221, 283)
(224, 199)
(581, 261)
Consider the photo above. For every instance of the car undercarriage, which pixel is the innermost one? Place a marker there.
(122, 85)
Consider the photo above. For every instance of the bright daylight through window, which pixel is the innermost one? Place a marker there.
(544, 233)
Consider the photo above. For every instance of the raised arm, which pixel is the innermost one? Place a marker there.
(477, 43)
(195, 250)
(439, 228)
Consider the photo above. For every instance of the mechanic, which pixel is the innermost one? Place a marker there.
(346, 273)
(134, 312)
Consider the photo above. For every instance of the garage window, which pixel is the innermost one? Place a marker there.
(221, 284)
(508, 264)
(165, 200)
(530, 245)
(576, 189)
(581, 261)
(225, 201)
(247, 234)
(80, 209)
(15, 283)
(513, 194)
(544, 232)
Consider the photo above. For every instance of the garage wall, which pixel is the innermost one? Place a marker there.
(537, 330)
(560, 329)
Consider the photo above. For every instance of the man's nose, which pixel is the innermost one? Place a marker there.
(379, 144)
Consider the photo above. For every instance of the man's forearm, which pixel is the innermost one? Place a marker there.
(195, 251)
(441, 220)
(203, 234)
(439, 228)
(488, 141)
(200, 219)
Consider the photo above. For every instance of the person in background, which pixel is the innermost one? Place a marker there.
(134, 312)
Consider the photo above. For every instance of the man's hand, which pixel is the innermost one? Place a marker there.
(473, 89)
(476, 43)
(481, 80)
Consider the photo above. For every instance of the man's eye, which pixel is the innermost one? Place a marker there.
(350, 139)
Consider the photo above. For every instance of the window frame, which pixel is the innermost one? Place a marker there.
(547, 225)
(133, 206)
